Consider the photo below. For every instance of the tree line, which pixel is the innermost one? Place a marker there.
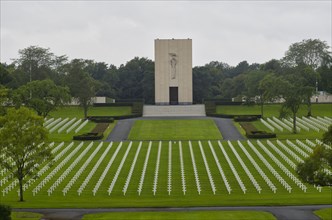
(306, 64)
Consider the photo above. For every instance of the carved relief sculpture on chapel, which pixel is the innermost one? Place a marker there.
(173, 61)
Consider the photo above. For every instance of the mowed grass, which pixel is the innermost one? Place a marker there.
(25, 216)
(204, 129)
(188, 215)
(76, 111)
(124, 153)
(324, 214)
(273, 110)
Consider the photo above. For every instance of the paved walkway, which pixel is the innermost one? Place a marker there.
(226, 127)
(280, 212)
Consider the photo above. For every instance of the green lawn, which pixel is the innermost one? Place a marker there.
(273, 110)
(204, 129)
(162, 199)
(324, 214)
(25, 216)
(190, 215)
(76, 111)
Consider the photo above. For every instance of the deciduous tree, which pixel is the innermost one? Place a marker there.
(42, 96)
(23, 144)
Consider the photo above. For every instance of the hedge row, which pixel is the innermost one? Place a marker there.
(101, 119)
(237, 118)
(241, 118)
(252, 132)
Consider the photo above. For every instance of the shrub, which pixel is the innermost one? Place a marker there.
(241, 118)
(5, 212)
(88, 136)
(101, 119)
(252, 132)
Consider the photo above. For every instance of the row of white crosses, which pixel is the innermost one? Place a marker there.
(70, 168)
(313, 122)
(141, 182)
(47, 121)
(102, 177)
(245, 168)
(169, 176)
(213, 187)
(73, 126)
(282, 167)
(54, 122)
(304, 146)
(183, 175)
(290, 152)
(321, 143)
(290, 124)
(272, 170)
(155, 180)
(328, 119)
(82, 169)
(115, 178)
(267, 124)
(321, 121)
(274, 124)
(308, 124)
(92, 172)
(198, 185)
(258, 168)
(132, 167)
(66, 125)
(221, 171)
(282, 155)
(299, 124)
(45, 168)
(56, 169)
(58, 125)
(282, 124)
(242, 186)
(296, 148)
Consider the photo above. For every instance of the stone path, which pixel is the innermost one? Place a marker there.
(280, 212)
(121, 130)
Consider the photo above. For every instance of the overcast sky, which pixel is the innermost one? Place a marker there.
(116, 31)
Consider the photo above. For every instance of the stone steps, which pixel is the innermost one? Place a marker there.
(173, 110)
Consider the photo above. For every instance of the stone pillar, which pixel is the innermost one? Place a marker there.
(173, 71)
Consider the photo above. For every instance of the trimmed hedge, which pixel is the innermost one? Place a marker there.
(252, 132)
(241, 118)
(101, 119)
(89, 137)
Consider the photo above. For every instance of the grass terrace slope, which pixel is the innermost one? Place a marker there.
(76, 111)
(271, 110)
(204, 129)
